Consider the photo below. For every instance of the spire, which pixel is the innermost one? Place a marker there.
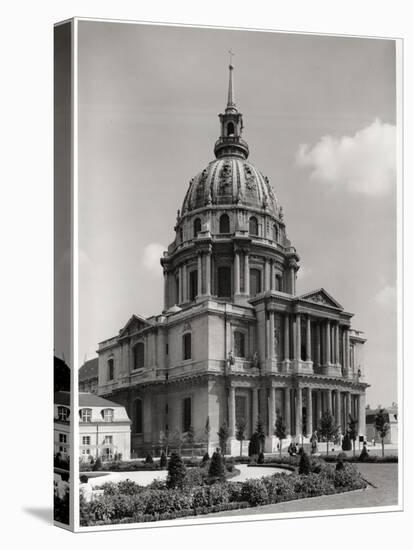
(231, 102)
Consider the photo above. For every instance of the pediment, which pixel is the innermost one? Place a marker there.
(135, 324)
(321, 297)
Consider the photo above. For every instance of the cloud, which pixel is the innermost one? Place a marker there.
(387, 297)
(151, 257)
(364, 163)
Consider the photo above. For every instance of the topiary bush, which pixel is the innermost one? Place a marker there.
(254, 445)
(349, 478)
(205, 458)
(260, 459)
(216, 470)
(176, 471)
(148, 459)
(304, 467)
(97, 465)
(346, 443)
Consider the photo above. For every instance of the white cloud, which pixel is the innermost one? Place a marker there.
(363, 163)
(387, 297)
(151, 257)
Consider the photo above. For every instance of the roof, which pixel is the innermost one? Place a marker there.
(89, 369)
(85, 400)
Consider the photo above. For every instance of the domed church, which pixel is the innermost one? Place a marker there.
(234, 340)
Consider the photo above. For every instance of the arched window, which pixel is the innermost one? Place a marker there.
(230, 129)
(275, 233)
(253, 226)
(139, 356)
(255, 281)
(107, 415)
(187, 346)
(111, 369)
(197, 227)
(239, 344)
(278, 282)
(193, 284)
(63, 413)
(138, 417)
(224, 282)
(224, 224)
(85, 415)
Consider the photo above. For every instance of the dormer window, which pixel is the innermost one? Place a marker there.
(86, 415)
(107, 415)
(63, 413)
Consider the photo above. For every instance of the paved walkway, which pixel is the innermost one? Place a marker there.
(256, 472)
(383, 476)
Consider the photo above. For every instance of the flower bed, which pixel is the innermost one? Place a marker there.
(127, 502)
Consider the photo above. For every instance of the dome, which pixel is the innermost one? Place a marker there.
(230, 180)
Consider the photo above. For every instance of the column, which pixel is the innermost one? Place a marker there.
(362, 414)
(347, 408)
(254, 407)
(271, 412)
(298, 337)
(337, 361)
(231, 411)
(180, 286)
(338, 417)
(317, 344)
(309, 427)
(273, 272)
(308, 339)
(199, 293)
(344, 340)
(329, 401)
(184, 284)
(208, 274)
(298, 411)
(319, 406)
(246, 273)
(328, 343)
(348, 349)
(287, 410)
(286, 337)
(292, 281)
(236, 273)
(272, 351)
(165, 289)
(267, 283)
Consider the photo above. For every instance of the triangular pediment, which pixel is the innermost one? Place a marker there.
(135, 324)
(321, 297)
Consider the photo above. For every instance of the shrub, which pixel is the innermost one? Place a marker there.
(235, 492)
(254, 445)
(348, 477)
(260, 459)
(176, 471)
(194, 477)
(205, 458)
(97, 465)
(216, 468)
(163, 462)
(160, 502)
(363, 455)
(313, 485)
(255, 492)
(304, 466)
(346, 444)
(157, 484)
(148, 459)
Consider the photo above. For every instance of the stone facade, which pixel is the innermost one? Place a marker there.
(234, 340)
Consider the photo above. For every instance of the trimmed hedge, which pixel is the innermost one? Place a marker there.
(369, 459)
(126, 502)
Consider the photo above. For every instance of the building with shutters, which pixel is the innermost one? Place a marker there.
(234, 339)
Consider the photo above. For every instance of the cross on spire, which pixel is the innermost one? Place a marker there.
(231, 55)
(231, 101)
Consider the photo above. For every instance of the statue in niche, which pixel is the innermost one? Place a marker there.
(178, 215)
(276, 340)
(281, 213)
(255, 362)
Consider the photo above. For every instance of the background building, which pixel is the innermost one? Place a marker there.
(88, 376)
(104, 427)
(392, 419)
(234, 340)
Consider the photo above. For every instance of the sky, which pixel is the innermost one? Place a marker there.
(319, 117)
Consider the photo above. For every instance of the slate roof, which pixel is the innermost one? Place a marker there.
(85, 400)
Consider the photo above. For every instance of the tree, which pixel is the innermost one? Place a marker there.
(164, 440)
(240, 433)
(280, 430)
(163, 461)
(328, 427)
(223, 434)
(261, 433)
(254, 446)
(207, 431)
(216, 470)
(382, 426)
(352, 432)
(178, 440)
(176, 471)
(190, 438)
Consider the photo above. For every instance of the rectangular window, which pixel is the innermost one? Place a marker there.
(239, 344)
(108, 440)
(187, 351)
(193, 284)
(86, 440)
(186, 409)
(62, 438)
(86, 415)
(240, 408)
